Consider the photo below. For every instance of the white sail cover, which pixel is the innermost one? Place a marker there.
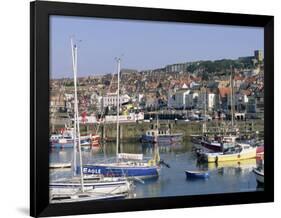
(130, 156)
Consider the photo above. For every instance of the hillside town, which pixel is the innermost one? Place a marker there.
(185, 89)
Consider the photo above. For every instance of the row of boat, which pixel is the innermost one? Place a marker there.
(228, 149)
(65, 139)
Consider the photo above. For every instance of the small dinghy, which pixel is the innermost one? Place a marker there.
(196, 174)
(60, 165)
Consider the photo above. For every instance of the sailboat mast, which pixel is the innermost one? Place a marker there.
(205, 101)
(77, 118)
(231, 98)
(118, 104)
(204, 125)
(74, 132)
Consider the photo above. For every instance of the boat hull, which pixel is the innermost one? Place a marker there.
(164, 139)
(259, 176)
(214, 146)
(121, 171)
(220, 157)
(116, 187)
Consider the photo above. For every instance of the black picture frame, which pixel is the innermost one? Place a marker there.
(39, 107)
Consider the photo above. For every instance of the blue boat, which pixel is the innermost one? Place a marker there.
(196, 174)
(143, 170)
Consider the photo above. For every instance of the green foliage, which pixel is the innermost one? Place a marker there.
(218, 67)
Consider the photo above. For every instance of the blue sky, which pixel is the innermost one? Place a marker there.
(143, 44)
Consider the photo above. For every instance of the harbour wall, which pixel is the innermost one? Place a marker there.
(133, 131)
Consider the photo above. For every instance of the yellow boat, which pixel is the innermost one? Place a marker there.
(237, 153)
(243, 164)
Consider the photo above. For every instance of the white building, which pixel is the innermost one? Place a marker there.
(111, 99)
(209, 99)
(191, 100)
(178, 100)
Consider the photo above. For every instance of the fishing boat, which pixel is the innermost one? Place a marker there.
(127, 165)
(63, 140)
(164, 136)
(67, 140)
(196, 174)
(218, 143)
(236, 153)
(84, 188)
(227, 135)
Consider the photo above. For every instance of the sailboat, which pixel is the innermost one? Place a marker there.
(85, 188)
(126, 165)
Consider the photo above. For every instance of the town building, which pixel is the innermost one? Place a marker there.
(208, 100)
(191, 100)
(178, 100)
(111, 99)
(176, 67)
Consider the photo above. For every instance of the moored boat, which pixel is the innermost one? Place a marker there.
(99, 184)
(67, 140)
(127, 169)
(236, 153)
(197, 174)
(259, 174)
(164, 136)
(59, 165)
(218, 143)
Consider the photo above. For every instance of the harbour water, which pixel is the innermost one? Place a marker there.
(224, 178)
